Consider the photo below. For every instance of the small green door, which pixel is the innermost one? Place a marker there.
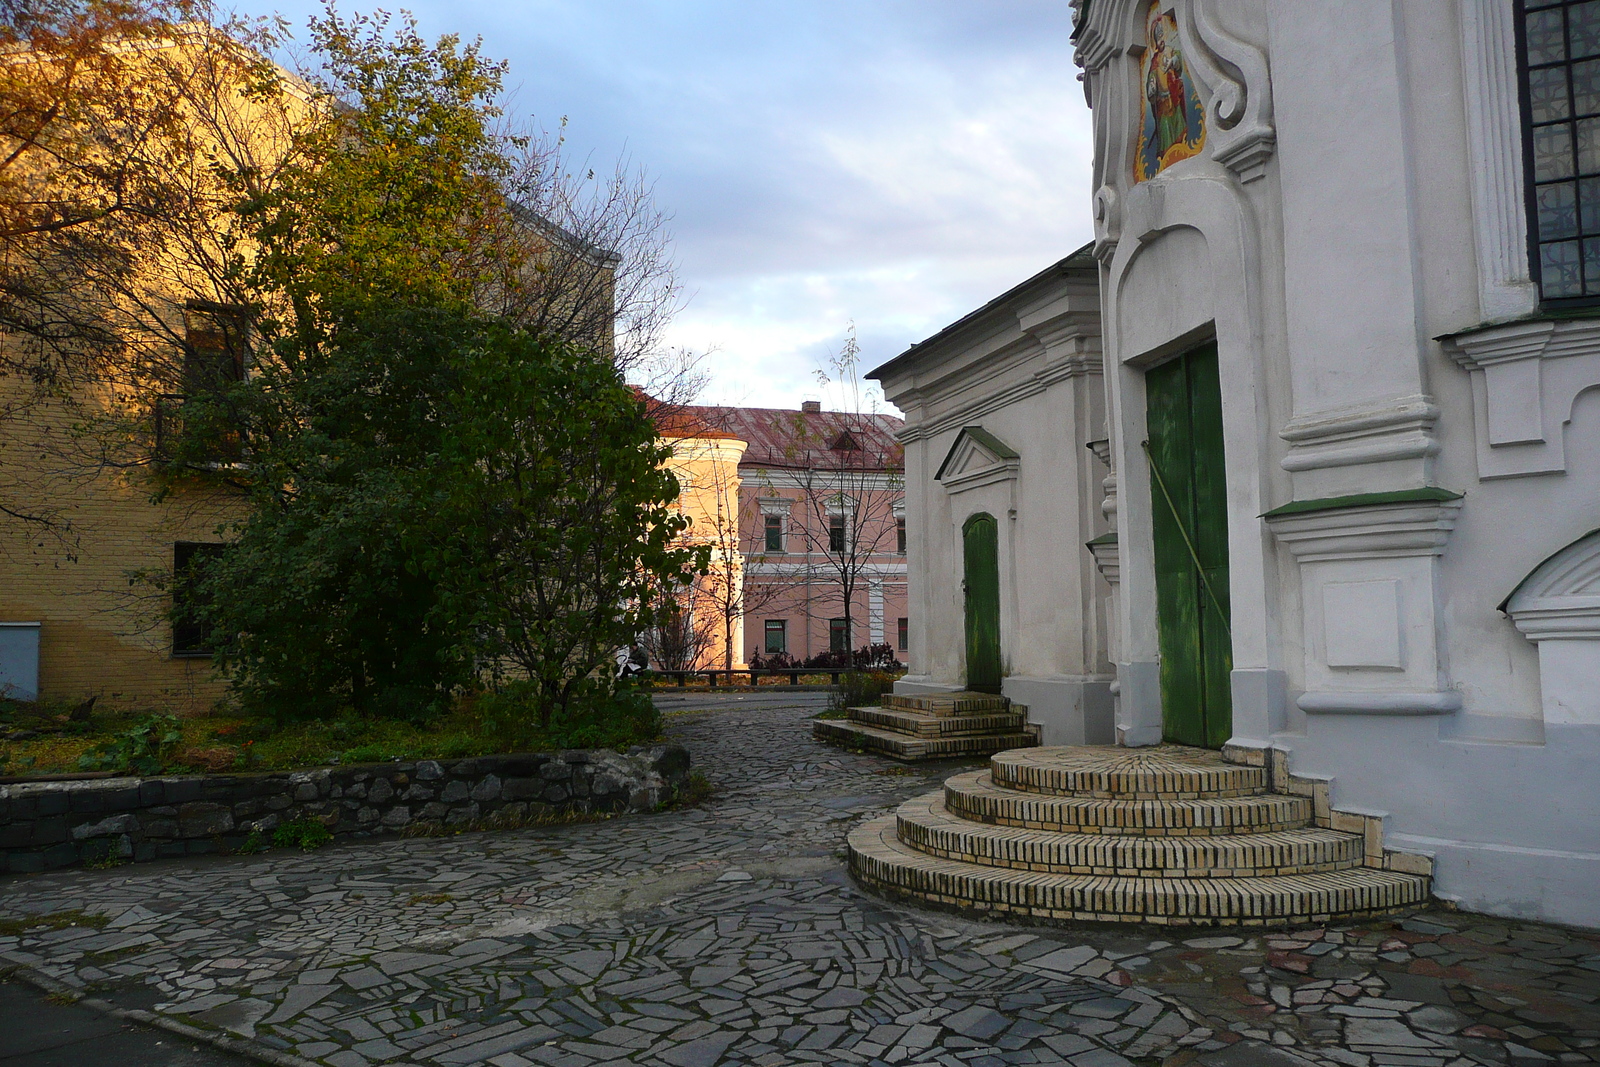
(1189, 513)
(980, 543)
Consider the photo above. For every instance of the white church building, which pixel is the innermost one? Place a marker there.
(1300, 459)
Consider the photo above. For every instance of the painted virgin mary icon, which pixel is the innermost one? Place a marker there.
(1172, 125)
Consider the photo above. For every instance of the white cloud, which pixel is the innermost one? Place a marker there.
(894, 163)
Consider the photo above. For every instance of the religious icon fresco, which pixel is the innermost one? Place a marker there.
(1172, 118)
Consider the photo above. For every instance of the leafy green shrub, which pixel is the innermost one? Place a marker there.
(306, 834)
(254, 841)
(591, 720)
(145, 749)
(695, 790)
(859, 689)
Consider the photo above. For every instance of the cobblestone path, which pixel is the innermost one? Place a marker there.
(729, 934)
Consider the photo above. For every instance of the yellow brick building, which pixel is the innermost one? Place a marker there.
(85, 594)
(85, 556)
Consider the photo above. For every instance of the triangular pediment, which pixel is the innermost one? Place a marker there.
(977, 453)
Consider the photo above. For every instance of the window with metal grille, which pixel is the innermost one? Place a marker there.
(836, 533)
(1558, 52)
(838, 635)
(774, 533)
(189, 637)
(777, 635)
(902, 629)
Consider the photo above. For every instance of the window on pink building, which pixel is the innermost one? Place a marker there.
(836, 533)
(838, 635)
(900, 536)
(777, 635)
(902, 634)
(774, 533)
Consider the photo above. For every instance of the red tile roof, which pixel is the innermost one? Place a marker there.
(785, 437)
(679, 422)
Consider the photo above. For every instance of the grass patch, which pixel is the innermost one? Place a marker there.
(429, 898)
(112, 955)
(40, 739)
(834, 713)
(55, 920)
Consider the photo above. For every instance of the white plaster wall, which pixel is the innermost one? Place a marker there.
(1326, 280)
(1047, 579)
(1053, 638)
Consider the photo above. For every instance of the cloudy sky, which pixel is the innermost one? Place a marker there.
(891, 163)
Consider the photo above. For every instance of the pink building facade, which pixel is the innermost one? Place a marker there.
(822, 530)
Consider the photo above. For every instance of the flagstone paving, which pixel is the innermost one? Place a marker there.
(729, 934)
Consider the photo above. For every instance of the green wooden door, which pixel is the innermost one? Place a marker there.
(1189, 512)
(980, 543)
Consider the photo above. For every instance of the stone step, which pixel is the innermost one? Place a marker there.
(1163, 772)
(925, 824)
(918, 724)
(975, 796)
(963, 703)
(879, 859)
(911, 749)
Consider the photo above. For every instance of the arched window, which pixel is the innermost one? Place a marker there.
(1558, 53)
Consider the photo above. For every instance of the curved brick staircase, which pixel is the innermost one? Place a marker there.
(1164, 835)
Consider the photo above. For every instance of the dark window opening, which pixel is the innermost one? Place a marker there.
(189, 637)
(838, 635)
(774, 533)
(200, 425)
(168, 424)
(902, 632)
(900, 536)
(845, 442)
(216, 340)
(777, 636)
(1558, 53)
(836, 538)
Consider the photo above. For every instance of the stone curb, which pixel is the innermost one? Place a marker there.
(237, 1045)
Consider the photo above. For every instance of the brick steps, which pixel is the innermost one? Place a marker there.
(931, 726)
(975, 796)
(910, 748)
(1165, 772)
(947, 703)
(925, 824)
(881, 860)
(1163, 835)
(920, 725)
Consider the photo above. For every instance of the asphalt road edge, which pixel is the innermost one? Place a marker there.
(239, 1046)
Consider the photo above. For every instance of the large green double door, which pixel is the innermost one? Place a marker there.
(1189, 519)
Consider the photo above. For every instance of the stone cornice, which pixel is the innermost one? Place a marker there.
(1401, 429)
(1521, 397)
(1107, 557)
(1038, 382)
(1374, 531)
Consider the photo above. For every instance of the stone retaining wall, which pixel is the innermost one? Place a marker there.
(61, 823)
